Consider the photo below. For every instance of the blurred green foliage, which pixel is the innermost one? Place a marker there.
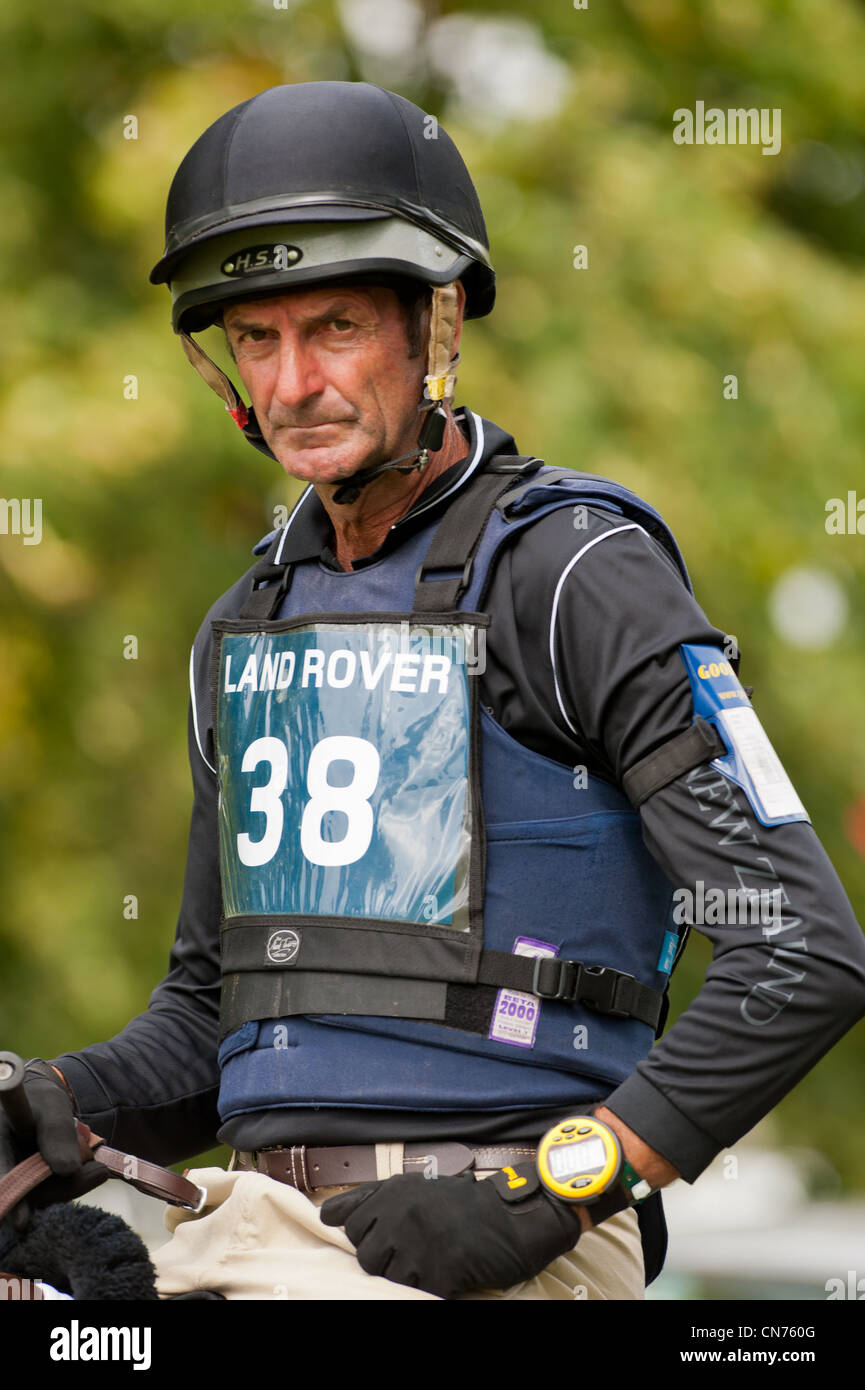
(702, 262)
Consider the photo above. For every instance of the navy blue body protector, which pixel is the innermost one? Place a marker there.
(419, 911)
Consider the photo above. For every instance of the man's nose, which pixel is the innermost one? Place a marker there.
(299, 374)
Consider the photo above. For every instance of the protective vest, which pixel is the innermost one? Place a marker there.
(419, 911)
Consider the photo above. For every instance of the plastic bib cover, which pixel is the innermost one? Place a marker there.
(344, 770)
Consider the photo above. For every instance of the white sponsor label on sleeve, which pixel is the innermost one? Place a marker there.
(757, 757)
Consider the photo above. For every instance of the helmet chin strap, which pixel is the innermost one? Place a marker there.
(439, 385)
(243, 416)
(350, 490)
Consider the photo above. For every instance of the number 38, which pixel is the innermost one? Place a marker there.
(352, 799)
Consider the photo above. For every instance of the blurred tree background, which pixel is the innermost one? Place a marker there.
(703, 263)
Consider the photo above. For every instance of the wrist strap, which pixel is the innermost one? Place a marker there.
(629, 1191)
(51, 1073)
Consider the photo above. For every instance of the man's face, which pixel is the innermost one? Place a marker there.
(330, 378)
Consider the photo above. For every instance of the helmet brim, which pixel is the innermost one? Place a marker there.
(222, 270)
(185, 239)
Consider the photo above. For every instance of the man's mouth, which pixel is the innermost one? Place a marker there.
(319, 425)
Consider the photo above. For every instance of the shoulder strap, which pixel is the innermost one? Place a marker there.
(268, 584)
(454, 545)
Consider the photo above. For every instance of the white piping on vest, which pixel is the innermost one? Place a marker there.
(195, 708)
(617, 531)
(277, 559)
(476, 458)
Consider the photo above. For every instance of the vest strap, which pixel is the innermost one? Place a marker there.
(458, 534)
(596, 987)
(555, 475)
(260, 994)
(264, 994)
(453, 545)
(263, 602)
(699, 744)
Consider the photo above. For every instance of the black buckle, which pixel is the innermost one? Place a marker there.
(568, 974)
(268, 576)
(519, 470)
(421, 578)
(602, 992)
(523, 483)
(594, 986)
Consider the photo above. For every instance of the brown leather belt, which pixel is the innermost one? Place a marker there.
(307, 1169)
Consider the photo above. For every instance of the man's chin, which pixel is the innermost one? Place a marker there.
(318, 463)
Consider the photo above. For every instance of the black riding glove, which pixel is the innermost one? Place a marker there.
(451, 1235)
(55, 1137)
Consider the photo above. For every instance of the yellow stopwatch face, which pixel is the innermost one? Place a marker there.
(579, 1159)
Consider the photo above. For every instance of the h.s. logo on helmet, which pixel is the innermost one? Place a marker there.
(254, 260)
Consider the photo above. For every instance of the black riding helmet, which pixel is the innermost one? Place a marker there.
(386, 180)
(311, 183)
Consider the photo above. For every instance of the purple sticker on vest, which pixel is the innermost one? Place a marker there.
(515, 1017)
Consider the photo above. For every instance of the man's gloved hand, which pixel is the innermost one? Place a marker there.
(54, 1136)
(451, 1235)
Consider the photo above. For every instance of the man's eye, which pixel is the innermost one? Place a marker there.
(340, 324)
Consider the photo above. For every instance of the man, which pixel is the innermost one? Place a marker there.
(454, 740)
